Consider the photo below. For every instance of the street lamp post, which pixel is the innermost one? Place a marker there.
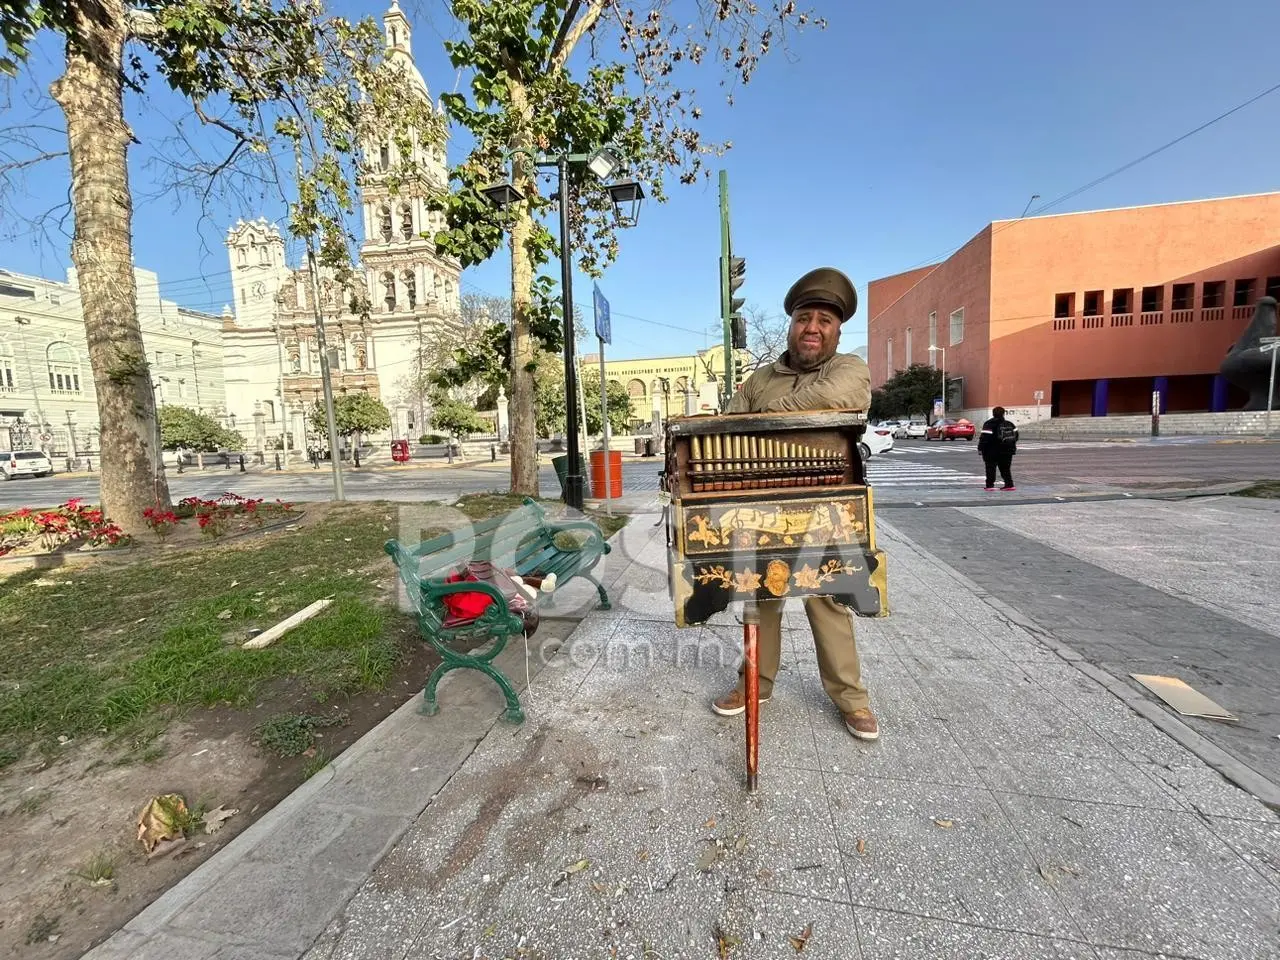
(603, 163)
(35, 388)
(195, 371)
(1271, 344)
(943, 351)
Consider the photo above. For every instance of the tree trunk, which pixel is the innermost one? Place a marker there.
(90, 95)
(524, 434)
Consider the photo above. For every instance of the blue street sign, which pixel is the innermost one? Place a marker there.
(603, 330)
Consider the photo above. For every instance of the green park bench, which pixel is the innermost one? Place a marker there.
(525, 541)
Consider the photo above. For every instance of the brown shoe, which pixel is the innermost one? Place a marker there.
(733, 703)
(862, 724)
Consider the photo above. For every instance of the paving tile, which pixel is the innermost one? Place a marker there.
(1090, 779)
(946, 852)
(906, 936)
(913, 745)
(1001, 718)
(1256, 841)
(1205, 791)
(1151, 880)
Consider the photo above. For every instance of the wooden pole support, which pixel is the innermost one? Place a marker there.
(751, 651)
(284, 626)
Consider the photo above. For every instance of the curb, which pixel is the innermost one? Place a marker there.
(1182, 493)
(1236, 771)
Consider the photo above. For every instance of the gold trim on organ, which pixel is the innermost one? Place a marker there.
(748, 462)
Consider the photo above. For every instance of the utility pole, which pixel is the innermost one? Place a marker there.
(733, 272)
(724, 290)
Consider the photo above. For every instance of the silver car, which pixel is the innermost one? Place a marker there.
(913, 429)
(24, 463)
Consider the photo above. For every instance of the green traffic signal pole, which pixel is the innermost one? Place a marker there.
(725, 294)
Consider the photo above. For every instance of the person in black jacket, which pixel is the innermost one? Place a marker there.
(996, 445)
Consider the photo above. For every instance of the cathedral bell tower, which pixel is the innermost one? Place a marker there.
(258, 270)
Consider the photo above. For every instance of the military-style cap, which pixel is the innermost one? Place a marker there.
(827, 286)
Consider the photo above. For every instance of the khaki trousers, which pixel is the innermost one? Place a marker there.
(838, 663)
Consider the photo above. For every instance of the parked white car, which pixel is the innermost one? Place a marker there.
(24, 463)
(875, 441)
(913, 429)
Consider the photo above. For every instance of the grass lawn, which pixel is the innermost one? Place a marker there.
(122, 677)
(1266, 489)
(99, 650)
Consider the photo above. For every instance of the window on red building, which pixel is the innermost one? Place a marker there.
(1215, 294)
(1184, 296)
(1152, 299)
(1122, 301)
(1064, 305)
(1093, 303)
(1243, 294)
(1273, 287)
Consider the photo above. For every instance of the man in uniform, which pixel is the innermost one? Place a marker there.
(810, 375)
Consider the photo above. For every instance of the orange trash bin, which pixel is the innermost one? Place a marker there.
(597, 475)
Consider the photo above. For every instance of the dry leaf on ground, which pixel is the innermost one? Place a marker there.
(213, 820)
(158, 820)
(798, 942)
(945, 824)
(578, 867)
(862, 845)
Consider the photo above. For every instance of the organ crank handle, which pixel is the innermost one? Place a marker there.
(751, 651)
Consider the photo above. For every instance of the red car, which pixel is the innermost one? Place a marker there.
(950, 430)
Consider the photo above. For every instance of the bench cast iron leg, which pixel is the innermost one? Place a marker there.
(430, 704)
(604, 596)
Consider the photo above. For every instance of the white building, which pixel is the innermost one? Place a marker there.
(273, 372)
(47, 396)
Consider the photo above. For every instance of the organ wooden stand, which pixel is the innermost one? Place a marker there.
(766, 506)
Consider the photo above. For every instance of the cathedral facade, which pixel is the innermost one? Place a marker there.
(272, 361)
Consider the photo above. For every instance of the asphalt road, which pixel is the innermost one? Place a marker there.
(915, 472)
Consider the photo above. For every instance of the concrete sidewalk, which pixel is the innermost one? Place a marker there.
(1014, 807)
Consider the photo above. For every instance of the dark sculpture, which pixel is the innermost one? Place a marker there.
(1246, 365)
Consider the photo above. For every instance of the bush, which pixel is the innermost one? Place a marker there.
(430, 438)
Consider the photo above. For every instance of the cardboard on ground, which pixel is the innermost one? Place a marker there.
(1185, 699)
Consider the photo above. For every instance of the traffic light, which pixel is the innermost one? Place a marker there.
(739, 370)
(738, 329)
(737, 274)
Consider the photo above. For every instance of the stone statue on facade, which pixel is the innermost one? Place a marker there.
(1246, 365)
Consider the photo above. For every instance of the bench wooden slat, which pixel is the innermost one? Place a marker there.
(492, 533)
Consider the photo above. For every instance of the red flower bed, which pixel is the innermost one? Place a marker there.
(70, 523)
(214, 516)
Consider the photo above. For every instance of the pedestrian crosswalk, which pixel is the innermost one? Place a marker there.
(890, 471)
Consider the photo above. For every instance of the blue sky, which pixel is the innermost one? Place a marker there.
(879, 144)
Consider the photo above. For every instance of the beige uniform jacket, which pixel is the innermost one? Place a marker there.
(842, 383)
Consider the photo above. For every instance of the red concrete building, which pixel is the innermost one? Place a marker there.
(1093, 310)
